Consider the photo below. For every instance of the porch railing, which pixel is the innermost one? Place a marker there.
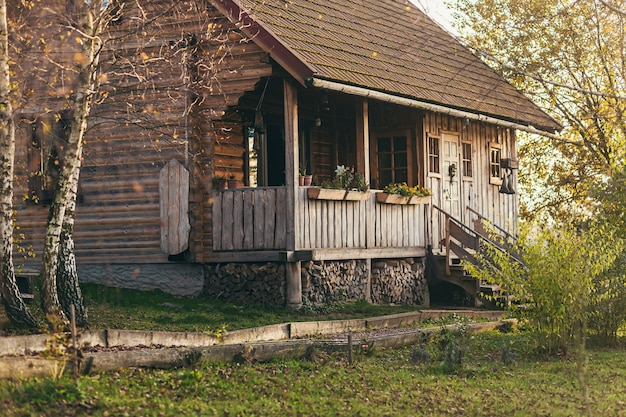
(249, 219)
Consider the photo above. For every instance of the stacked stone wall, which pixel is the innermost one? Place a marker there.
(399, 282)
(329, 281)
(254, 283)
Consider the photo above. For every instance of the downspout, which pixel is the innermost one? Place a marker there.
(408, 102)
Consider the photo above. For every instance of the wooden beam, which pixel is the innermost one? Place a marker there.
(292, 269)
(359, 253)
(291, 160)
(362, 138)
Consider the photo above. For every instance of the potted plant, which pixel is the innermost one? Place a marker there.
(304, 179)
(219, 182)
(302, 172)
(346, 185)
(402, 193)
(233, 182)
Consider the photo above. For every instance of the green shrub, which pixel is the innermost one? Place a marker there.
(557, 281)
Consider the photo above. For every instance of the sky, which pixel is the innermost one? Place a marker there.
(437, 11)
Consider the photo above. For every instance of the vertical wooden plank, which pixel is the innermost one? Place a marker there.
(323, 223)
(269, 212)
(227, 221)
(248, 219)
(404, 224)
(164, 203)
(280, 237)
(369, 217)
(238, 219)
(217, 224)
(173, 208)
(345, 227)
(305, 230)
(316, 231)
(338, 224)
(259, 218)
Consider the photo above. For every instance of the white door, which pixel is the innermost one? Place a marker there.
(451, 183)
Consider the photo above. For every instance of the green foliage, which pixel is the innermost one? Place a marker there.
(347, 179)
(217, 178)
(567, 58)
(386, 383)
(607, 312)
(559, 282)
(118, 308)
(401, 188)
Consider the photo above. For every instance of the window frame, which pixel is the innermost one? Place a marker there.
(434, 159)
(467, 160)
(495, 165)
(411, 159)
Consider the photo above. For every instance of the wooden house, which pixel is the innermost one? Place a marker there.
(258, 91)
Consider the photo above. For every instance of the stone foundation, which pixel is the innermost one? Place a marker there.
(399, 282)
(255, 283)
(323, 282)
(328, 281)
(175, 279)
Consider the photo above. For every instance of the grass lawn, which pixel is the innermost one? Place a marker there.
(402, 382)
(115, 308)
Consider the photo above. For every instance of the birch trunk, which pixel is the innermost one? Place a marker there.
(68, 287)
(14, 306)
(87, 65)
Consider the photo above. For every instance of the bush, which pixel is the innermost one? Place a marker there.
(559, 279)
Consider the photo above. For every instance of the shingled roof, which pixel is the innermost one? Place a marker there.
(387, 46)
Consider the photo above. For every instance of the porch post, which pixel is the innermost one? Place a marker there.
(292, 269)
(363, 167)
(362, 138)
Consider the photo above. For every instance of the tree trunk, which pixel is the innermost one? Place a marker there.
(67, 277)
(14, 306)
(84, 89)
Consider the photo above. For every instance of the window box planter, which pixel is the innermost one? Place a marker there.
(317, 193)
(400, 199)
(357, 195)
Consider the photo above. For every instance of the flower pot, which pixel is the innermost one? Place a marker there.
(221, 185)
(308, 180)
(301, 180)
(233, 183)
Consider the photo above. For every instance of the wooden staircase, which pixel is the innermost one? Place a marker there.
(461, 243)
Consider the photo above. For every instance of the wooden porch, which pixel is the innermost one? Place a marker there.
(251, 224)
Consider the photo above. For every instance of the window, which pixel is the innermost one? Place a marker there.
(47, 135)
(466, 149)
(433, 155)
(393, 159)
(494, 164)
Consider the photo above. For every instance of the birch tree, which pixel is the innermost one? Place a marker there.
(60, 289)
(14, 306)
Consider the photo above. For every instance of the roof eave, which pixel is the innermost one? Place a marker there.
(423, 105)
(288, 59)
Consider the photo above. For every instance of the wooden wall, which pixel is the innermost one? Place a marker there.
(163, 80)
(477, 192)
